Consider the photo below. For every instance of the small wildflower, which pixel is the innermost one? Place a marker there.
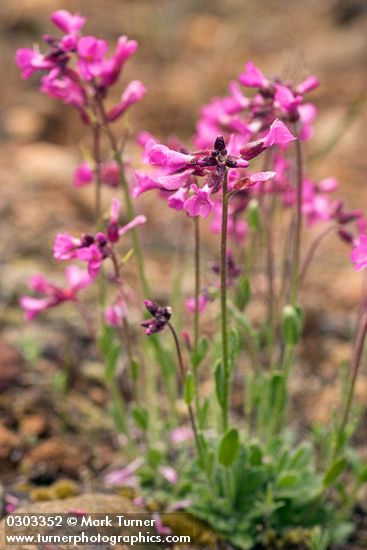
(161, 316)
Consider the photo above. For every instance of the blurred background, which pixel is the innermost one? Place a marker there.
(188, 51)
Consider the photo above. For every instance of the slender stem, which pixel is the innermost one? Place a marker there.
(356, 362)
(97, 171)
(311, 252)
(223, 301)
(129, 205)
(197, 282)
(182, 376)
(126, 327)
(298, 229)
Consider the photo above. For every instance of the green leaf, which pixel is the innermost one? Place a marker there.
(243, 292)
(256, 455)
(337, 467)
(229, 447)
(287, 480)
(233, 343)
(155, 457)
(203, 413)
(189, 388)
(141, 417)
(219, 383)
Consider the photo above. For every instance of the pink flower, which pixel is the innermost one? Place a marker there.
(203, 301)
(64, 88)
(111, 68)
(124, 476)
(359, 253)
(67, 22)
(115, 314)
(65, 246)
(83, 175)
(138, 220)
(200, 204)
(30, 61)
(177, 199)
(168, 159)
(91, 51)
(93, 256)
(181, 435)
(77, 280)
(133, 93)
(110, 173)
(307, 85)
(253, 77)
(169, 474)
(286, 100)
(144, 183)
(278, 134)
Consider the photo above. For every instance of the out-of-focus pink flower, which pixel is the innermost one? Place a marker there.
(110, 173)
(67, 22)
(83, 175)
(200, 204)
(124, 476)
(169, 474)
(30, 61)
(53, 295)
(111, 68)
(115, 314)
(253, 77)
(181, 435)
(307, 114)
(359, 252)
(63, 87)
(133, 93)
(307, 85)
(138, 220)
(93, 256)
(91, 52)
(278, 134)
(179, 505)
(203, 301)
(286, 100)
(159, 527)
(65, 246)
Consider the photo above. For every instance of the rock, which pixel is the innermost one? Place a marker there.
(90, 503)
(9, 441)
(11, 365)
(33, 425)
(54, 455)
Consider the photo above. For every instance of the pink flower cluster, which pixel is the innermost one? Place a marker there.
(94, 249)
(176, 172)
(89, 249)
(77, 68)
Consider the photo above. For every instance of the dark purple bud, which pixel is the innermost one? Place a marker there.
(347, 217)
(231, 162)
(113, 232)
(161, 317)
(205, 161)
(101, 239)
(214, 181)
(87, 240)
(252, 149)
(345, 236)
(219, 144)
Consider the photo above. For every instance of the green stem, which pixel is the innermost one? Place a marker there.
(356, 362)
(129, 205)
(223, 303)
(298, 228)
(182, 371)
